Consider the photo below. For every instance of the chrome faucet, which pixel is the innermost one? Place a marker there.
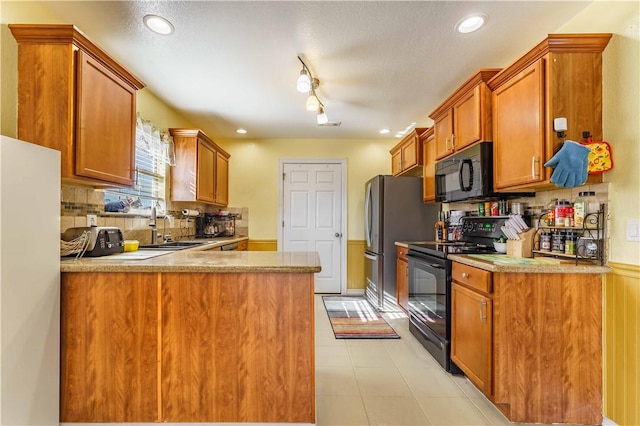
(152, 224)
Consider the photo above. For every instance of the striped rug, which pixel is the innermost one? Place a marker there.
(355, 318)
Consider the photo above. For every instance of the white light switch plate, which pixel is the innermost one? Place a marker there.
(633, 229)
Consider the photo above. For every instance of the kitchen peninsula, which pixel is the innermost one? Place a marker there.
(190, 336)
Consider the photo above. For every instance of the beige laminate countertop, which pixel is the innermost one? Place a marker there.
(537, 265)
(199, 260)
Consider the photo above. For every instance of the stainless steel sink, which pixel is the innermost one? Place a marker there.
(174, 245)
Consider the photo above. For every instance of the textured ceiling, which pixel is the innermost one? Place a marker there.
(380, 64)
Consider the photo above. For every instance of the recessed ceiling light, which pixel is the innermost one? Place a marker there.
(384, 131)
(471, 23)
(158, 24)
(241, 131)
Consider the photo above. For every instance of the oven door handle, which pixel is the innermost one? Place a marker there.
(421, 260)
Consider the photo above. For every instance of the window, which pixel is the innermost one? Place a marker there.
(154, 151)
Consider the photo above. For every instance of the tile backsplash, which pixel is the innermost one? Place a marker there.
(536, 205)
(77, 202)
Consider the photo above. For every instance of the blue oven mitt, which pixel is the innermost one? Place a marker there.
(569, 165)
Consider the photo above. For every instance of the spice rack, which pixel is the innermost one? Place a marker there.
(589, 243)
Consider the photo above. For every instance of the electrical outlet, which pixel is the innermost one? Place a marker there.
(92, 220)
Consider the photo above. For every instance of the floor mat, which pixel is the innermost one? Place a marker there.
(355, 318)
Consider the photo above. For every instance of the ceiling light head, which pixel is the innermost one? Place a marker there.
(312, 102)
(322, 116)
(158, 24)
(241, 131)
(304, 82)
(471, 23)
(384, 131)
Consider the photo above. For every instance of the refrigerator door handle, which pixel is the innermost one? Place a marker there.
(368, 256)
(367, 219)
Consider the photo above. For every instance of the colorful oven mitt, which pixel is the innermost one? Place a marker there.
(600, 158)
(569, 165)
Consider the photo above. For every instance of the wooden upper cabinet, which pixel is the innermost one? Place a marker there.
(560, 77)
(205, 172)
(221, 194)
(465, 117)
(406, 156)
(519, 119)
(429, 165)
(201, 170)
(75, 98)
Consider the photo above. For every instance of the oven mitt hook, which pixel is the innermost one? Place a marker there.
(569, 165)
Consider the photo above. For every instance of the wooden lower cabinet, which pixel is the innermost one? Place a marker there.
(188, 347)
(402, 278)
(471, 330)
(109, 348)
(237, 348)
(544, 348)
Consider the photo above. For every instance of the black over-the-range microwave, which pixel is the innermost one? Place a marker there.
(468, 176)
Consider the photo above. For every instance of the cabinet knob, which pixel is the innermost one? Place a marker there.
(465, 275)
(338, 235)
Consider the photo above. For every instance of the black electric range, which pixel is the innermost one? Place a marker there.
(430, 282)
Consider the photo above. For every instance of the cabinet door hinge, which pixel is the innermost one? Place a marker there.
(283, 223)
(284, 175)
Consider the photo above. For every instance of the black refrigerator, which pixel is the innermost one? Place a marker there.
(393, 211)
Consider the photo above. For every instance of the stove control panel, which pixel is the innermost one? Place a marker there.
(487, 227)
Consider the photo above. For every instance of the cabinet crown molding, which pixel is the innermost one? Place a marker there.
(198, 134)
(554, 43)
(69, 34)
(482, 76)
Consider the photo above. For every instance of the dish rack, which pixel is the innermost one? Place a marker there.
(77, 246)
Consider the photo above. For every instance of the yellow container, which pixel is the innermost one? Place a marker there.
(131, 245)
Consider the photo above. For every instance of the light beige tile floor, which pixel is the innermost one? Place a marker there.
(390, 382)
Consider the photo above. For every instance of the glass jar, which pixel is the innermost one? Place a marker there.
(551, 208)
(545, 242)
(561, 212)
(557, 242)
(580, 209)
(570, 243)
(592, 206)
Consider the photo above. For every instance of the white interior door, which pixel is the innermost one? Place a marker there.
(312, 218)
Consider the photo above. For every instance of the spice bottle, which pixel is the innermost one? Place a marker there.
(545, 242)
(570, 243)
(580, 209)
(561, 210)
(551, 208)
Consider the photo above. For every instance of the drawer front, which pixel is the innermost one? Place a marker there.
(472, 277)
(402, 252)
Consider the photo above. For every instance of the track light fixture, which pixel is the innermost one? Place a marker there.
(322, 116)
(306, 83)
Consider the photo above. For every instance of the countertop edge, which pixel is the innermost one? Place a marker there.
(560, 268)
(248, 269)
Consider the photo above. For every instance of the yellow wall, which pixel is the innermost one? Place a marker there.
(257, 161)
(621, 329)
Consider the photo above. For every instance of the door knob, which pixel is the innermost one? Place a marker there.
(338, 235)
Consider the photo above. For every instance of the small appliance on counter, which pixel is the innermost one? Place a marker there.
(102, 240)
(215, 225)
